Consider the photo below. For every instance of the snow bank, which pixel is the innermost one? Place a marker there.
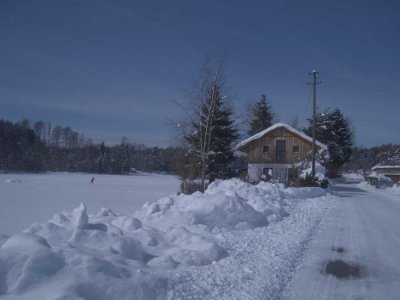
(388, 190)
(395, 189)
(353, 177)
(12, 181)
(217, 207)
(378, 176)
(112, 256)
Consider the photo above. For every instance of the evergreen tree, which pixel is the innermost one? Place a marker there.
(365, 158)
(261, 116)
(122, 158)
(101, 160)
(22, 149)
(212, 138)
(334, 130)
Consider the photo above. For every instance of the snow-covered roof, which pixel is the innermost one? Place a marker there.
(377, 167)
(379, 176)
(278, 125)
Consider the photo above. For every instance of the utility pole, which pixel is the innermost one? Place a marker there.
(314, 74)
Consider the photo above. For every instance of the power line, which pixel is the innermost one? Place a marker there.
(364, 90)
(251, 60)
(288, 72)
(197, 45)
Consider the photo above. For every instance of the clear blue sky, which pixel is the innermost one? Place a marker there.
(114, 68)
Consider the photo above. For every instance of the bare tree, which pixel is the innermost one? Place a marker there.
(39, 128)
(294, 122)
(49, 133)
(198, 123)
(56, 136)
(211, 131)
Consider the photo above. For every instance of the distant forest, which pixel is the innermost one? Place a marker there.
(41, 147)
(365, 158)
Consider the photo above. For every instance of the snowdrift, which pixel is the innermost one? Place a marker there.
(395, 189)
(112, 256)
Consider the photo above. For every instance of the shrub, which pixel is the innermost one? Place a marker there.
(309, 180)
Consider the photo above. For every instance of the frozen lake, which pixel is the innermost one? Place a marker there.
(29, 198)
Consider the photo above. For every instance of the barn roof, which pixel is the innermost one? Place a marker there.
(275, 126)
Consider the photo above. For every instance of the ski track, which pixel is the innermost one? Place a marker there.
(260, 265)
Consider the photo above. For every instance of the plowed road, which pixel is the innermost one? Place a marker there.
(363, 231)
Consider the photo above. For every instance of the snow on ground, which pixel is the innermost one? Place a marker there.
(353, 177)
(361, 230)
(393, 191)
(28, 198)
(235, 241)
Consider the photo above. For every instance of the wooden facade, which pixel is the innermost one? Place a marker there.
(393, 172)
(268, 148)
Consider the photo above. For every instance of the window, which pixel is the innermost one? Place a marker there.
(280, 152)
(296, 149)
(266, 149)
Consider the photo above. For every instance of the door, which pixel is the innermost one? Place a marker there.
(280, 152)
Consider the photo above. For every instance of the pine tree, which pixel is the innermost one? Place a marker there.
(334, 130)
(212, 138)
(123, 157)
(101, 160)
(261, 116)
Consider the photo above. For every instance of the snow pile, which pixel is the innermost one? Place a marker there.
(353, 177)
(12, 181)
(376, 175)
(395, 189)
(112, 256)
(221, 209)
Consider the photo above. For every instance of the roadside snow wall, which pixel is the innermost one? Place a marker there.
(112, 256)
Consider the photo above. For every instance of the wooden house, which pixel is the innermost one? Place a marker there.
(390, 171)
(273, 152)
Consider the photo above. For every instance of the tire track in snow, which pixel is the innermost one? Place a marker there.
(364, 224)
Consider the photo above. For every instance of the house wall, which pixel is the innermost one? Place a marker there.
(279, 171)
(395, 178)
(255, 148)
(392, 173)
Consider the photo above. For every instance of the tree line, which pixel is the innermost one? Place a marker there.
(209, 133)
(42, 147)
(207, 152)
(363, 158)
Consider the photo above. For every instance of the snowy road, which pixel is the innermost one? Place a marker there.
(362, 230)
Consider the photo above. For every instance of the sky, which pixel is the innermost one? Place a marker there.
(110, 68)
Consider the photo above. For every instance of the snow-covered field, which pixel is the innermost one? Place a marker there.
(235, 241)
(28, 198)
